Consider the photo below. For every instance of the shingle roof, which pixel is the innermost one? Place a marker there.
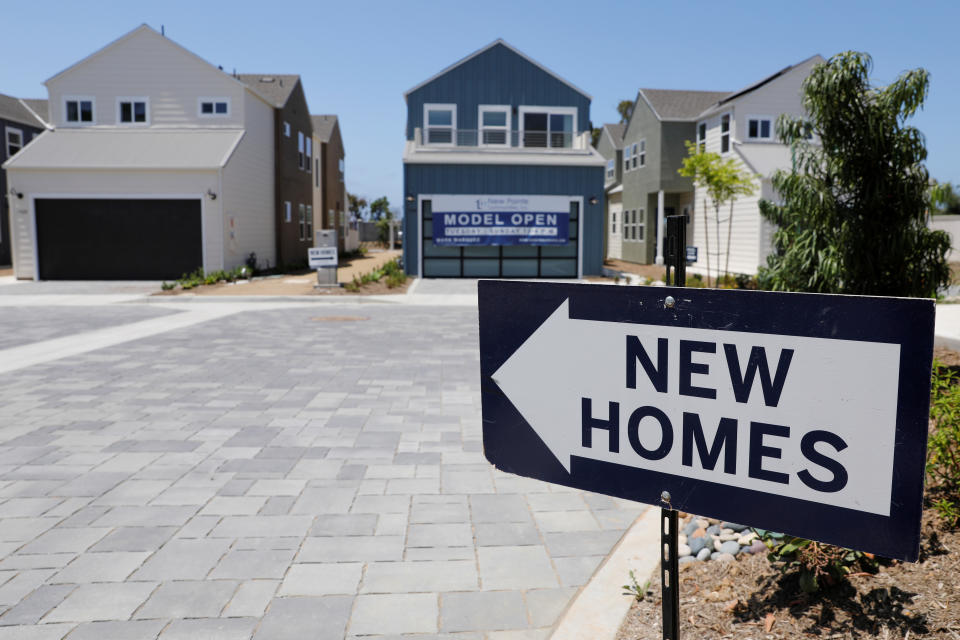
(681, 105)
(40, 106)
(616, 133)
(323, 126)
(276, 87)
(770, 78)
(13, 109)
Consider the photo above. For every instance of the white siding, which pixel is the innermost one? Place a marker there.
(615, 239)
(950, 224)
(91, 184)
(249, 191)
(147, 64)
(744, 244)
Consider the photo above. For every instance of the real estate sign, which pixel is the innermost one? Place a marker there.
(500, 220)
(799, 413)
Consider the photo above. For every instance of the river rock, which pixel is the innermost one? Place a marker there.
(724, 537)
(746, 539)
(690, 527)
(714, 529)
(683, 550)
(730, 546)
(757, 547)
(681, 539)
(696, 544)
(719, 556)
(686, 559)
(735, 527)
(704, 554)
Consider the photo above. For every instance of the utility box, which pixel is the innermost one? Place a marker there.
(323, 257)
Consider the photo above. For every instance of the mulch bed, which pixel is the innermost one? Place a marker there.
(751, 598)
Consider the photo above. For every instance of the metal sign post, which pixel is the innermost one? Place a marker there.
(323, 257)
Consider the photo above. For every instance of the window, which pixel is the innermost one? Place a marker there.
(300, 149)
(309, 222)
(440, 122)
(702, 136)
(725, 133)
(611, 167)
(14, 141)
(286, 211)
(548, 126)
(214, 107)
(78, 110)
(302, 210)
(643, 153)
(626, 158)
(132, 111)
(494, 125)
(613, 222)
(342, 168)
(638, 227)
(316, 171)
(309, 155)
(286, 129)
(759, 128)
(633, 156)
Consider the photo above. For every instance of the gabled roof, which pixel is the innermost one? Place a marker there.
(40, 106)
(15, 110)
(145, 28)
(615, 132)
(767, 80)
(276, 87)
(498, 41)
(672, 104)
(323, 126)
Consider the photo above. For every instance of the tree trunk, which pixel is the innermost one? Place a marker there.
(716, 208)
(706, 239)
(726, 266)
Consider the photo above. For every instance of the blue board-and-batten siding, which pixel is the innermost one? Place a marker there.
(498, 76)
(431, 179)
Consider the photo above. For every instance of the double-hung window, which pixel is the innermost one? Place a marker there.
(302, 209)
(308, 159)
(702, 137)
(309, 222)
(626, 159)
(613, 222)
(440, 123)
(611, 168)
(286, 129)
(300, 149)
(548, 126)
(343, 168)
(494, 125)
(14, 141)
(638, 234)
(133, 111)
(725, 133)
(643, 153)
(214, 107)
(286, 211)
(759, 128)
(79, 110)
(633, 156)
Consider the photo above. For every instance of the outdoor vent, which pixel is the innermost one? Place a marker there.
(267, 79)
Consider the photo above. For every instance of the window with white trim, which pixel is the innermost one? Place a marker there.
(613, 222)
(551, 127)
(343, 167)
(14, 139)
(300, 149)
(302, 210)
(611, 168)
(759, 128)
(309, 154)
(494, 125)
(287, 211)
(626, 159)
(643, 153)
(701, 137)
(79, 110)
(309, 222)
(214, 107)
(633, 156)
(638, 228)
(725, 133)
(133, 111)
(440, 123)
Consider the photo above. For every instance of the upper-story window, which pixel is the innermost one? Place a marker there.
(642, 153)
(440, 123)
(286, 129)
(611, 168)
(133, 111)
(14, 141)
(725, 133)
(494, 125)
(309, 155)
(342, 169)
(214, 107)
(759, 128)
(548, 126)
(79, 110)
(701, 137)
(633, 155)
(300, 149)
(626, 158)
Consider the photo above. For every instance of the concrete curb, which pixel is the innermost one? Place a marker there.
(598, 610)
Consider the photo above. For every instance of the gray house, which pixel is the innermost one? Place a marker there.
(20, 122)
(610, 146)
(652, 151)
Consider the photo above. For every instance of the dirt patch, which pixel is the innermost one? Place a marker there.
(947, 357)
(751, 598)
(652, 271)
(287, 286)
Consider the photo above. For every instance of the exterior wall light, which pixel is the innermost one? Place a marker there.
(211, 194)
(411, 198)
(593, 200)
(18, 194)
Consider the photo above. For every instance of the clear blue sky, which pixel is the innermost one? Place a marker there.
(357, 58)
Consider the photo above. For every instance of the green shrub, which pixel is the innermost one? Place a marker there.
(943, 446)
(167, 286)
(818, 563)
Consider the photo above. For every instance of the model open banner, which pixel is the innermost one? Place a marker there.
(799, 413)
(500, 220)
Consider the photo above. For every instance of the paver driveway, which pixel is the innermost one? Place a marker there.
(282, 472)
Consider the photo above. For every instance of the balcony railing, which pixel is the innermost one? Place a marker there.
(496, 139)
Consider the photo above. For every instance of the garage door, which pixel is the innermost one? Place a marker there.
(118, 239)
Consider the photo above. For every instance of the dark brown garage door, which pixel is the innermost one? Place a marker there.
(118, 239)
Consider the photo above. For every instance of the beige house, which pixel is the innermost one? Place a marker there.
(158, 163)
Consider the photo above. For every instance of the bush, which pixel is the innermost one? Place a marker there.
(943, 446)
(817, 562)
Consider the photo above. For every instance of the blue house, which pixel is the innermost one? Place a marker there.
(500, 177)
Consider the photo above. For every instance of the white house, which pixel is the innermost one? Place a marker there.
(158, 163)
(741, 126)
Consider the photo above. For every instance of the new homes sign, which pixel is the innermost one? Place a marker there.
(500, 220)
(799, 413)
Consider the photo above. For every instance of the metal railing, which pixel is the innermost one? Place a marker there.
(499, 138)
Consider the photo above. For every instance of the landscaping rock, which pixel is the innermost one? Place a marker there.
(758, 547)
(714, 529)
(690, 527)
(696, 544)
(683, 550)
(686, 559)
(735, 527)
(719, 556)
(704, 554)
(746, 539)
(730, 546)
(724, 537)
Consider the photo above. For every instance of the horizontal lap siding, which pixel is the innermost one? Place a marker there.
(584, 182)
